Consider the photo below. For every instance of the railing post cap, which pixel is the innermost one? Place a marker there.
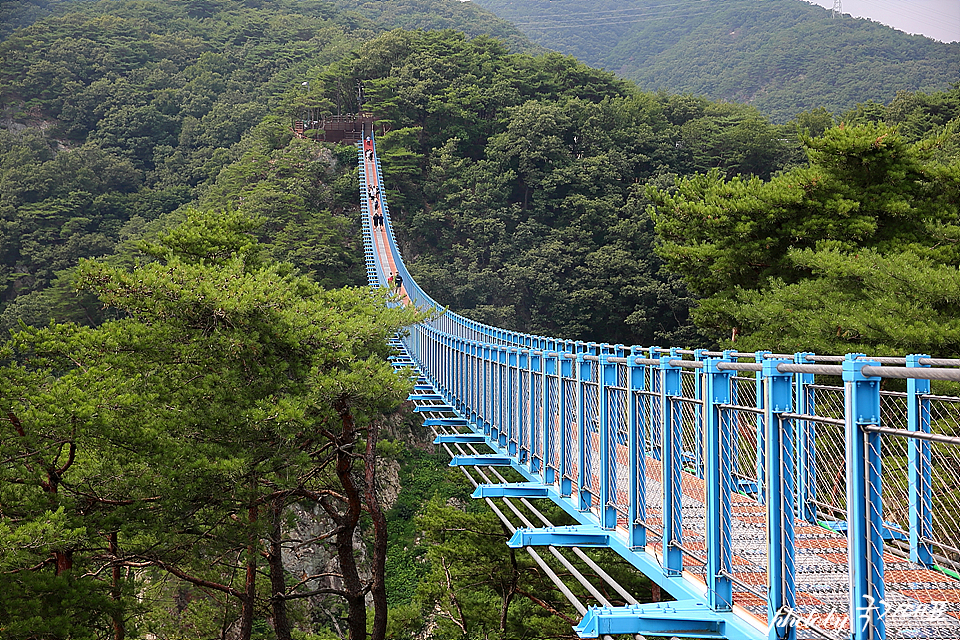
(712, 365)
(853, 368)
(913, 360)
(770, 367)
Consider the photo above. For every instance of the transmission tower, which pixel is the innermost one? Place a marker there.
(837, 9)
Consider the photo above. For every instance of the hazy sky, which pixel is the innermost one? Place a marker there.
(938, 19)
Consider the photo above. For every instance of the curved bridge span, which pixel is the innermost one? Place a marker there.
(770, 503)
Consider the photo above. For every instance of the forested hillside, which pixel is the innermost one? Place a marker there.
(214, 406)
(116, 113)
(781, 56)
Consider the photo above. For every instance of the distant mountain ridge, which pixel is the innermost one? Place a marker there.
(782, 56)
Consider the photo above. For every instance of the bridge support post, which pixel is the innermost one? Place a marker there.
(636, 492)
(607, 377)
(511, 422)
(920, 471)
(522, 411)
(806, 436)
(781, 547)
(671, 461)
(719, 481)
(864, 507)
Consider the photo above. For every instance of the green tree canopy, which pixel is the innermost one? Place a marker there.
(172, 438)
(855, 252)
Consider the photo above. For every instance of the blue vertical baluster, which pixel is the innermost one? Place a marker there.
(487, 388)
(920, 471)
(512, 409)
(583, 479)
(777, 389)
(547, 447)
(719, 483)
(501, 413)
(671, 421)
(533, 366)
(607, 377)
(864, 509)
(461, 373)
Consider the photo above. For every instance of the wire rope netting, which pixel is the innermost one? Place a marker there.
(617, 439)
(537, 414)
(591, 437)
(571, 431)
(748, 442)
(944, 480)
(521, 424)
(691, 437)
(554, 423)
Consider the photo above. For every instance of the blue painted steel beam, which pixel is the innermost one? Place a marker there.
(637, 427)
(920, 469)
(682, 619)
(460, 438)
(425, 397)
(606, 377)
(718, 474)
(779, 474)
(864, 508)
(512, 490)
(483, 460)
(424, 408)
(446, 422)
(671, 419)
(573, 536)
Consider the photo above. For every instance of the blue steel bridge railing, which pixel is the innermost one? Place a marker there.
(780, 505)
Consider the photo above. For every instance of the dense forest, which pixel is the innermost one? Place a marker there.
(198, 424)
(782, 56)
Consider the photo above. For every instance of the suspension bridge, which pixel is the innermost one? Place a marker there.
(767, 499)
